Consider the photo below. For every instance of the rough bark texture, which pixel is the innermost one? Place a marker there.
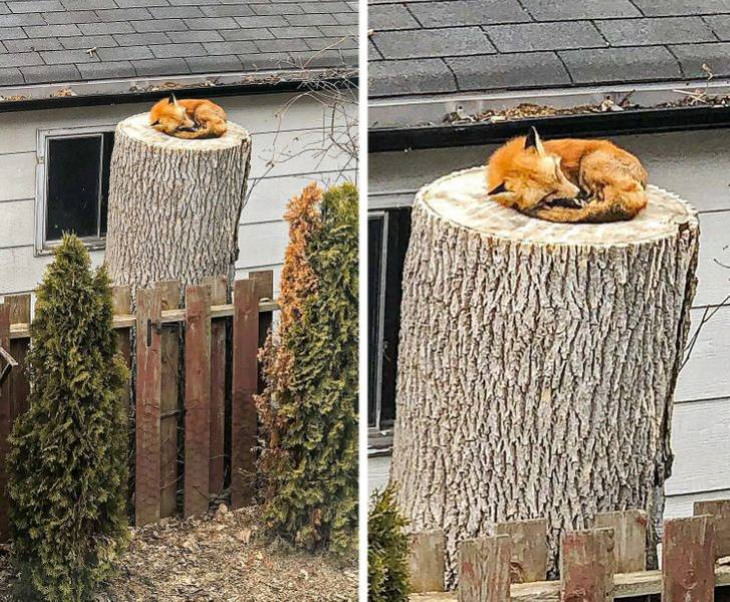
(174, 205)
(537, 363)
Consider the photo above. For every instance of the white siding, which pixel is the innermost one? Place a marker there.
(288, 153)
(695, 165)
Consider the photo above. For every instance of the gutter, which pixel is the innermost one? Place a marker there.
(629, 121)
(114, 92)
(417, 122)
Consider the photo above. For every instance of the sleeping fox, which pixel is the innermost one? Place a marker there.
(567, 180)
(191, 118)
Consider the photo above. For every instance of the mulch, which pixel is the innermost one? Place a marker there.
(220, 558)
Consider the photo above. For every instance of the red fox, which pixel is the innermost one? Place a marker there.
(567, 180)
(191, 118)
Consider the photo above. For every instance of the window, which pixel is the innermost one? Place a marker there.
(388, 234)
(73, 187)
(377, 233)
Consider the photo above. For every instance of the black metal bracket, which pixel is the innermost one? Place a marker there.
(157, 324)
(10, 363)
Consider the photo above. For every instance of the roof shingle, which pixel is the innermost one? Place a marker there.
(49, 41)
(521, 44)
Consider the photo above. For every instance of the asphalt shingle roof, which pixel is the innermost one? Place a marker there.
(444, 46)
(47, 41)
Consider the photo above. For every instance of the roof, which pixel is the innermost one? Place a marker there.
(52, 41)
(446, 46)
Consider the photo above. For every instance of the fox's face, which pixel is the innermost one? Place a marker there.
(169, 116)
(533, 177)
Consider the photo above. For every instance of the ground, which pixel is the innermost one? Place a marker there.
(221, 558)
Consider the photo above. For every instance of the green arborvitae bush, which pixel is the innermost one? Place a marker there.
(309, 409)
(387, 550)
(67, 462)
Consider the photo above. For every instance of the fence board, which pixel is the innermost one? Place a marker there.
(426, 561)
(484, 569)
(147, 424)
(263, 283)
(688, 559)
(218, 292)
(629, 538)
(197, 400)
(169, 400)
(19, 385)
(245, 378)
(720, 510)
(122, 303)
(529, 549)
(264, 287)
(6, 421)
(587, 565)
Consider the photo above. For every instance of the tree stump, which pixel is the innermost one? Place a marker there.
(537, 363)
(174, 205)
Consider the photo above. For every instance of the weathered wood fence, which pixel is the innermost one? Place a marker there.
(195, 421)
(600, 564)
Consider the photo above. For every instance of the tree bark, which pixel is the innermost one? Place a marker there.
(537, 363)
(174, 205)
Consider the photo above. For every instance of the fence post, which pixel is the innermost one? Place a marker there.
(170, 420)
(629, 537)
(587, 565)
(529, 549)
(484, 569)
(426, 561)
(6, 422)
(688, 559)
(197, 400)
(147, 419)
(20, 387)
(218, 289)
(245, 380)
(720, 511)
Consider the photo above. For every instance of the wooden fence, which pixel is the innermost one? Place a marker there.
(195, 421)
(604, 563)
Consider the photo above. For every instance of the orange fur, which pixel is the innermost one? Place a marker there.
(190, 118)
(545, 180)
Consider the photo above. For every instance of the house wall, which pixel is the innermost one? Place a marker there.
(695, 165)
(287, 154)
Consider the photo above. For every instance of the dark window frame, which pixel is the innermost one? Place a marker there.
(384, 320)
(43, 244)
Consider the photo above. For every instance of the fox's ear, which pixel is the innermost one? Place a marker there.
(498, 190)
(172, 100)
(533, 141)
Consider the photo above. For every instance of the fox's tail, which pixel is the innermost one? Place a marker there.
(609, 209)
(212, 129)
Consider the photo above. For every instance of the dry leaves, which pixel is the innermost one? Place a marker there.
(221, 558)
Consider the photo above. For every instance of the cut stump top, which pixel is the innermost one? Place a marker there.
(461, 199)
(138, 128)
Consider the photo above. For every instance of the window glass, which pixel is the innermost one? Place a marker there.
(74, 186)
(376, 227)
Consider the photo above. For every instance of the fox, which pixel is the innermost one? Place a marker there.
(188, 118)
(567, 180)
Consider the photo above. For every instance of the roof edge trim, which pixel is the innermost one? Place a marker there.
(430, 110)
(130, 90)
(638, 121)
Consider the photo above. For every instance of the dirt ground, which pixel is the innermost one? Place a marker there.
(218, 559)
